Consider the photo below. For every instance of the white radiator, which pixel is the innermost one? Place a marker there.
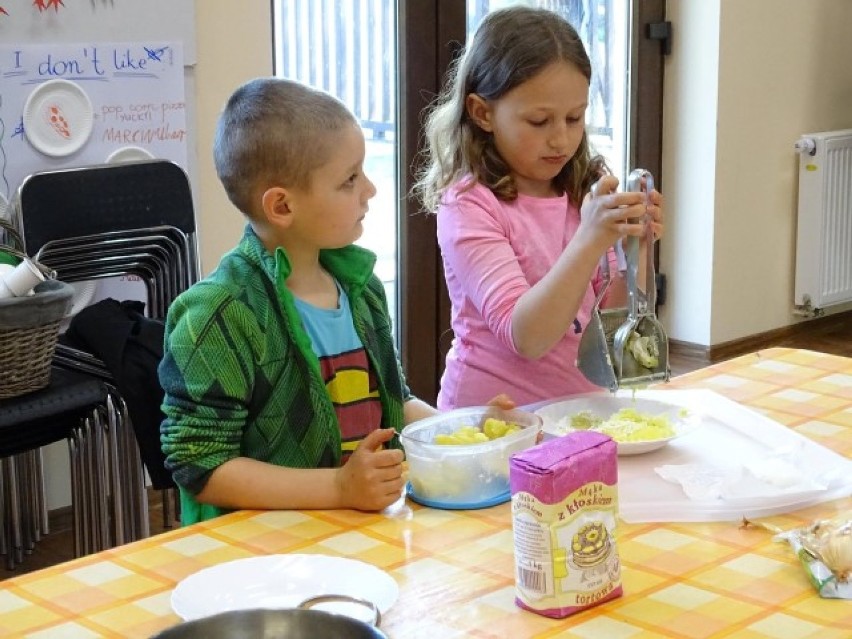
(824, 234)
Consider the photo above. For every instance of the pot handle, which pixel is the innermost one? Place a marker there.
(376, 616)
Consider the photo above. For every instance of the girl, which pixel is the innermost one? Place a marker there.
(509, 173)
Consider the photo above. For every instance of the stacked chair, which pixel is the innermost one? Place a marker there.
(90, 223)
(71, 400)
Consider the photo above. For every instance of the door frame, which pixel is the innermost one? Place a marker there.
(430, 33)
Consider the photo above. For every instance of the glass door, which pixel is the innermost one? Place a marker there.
(348, 48)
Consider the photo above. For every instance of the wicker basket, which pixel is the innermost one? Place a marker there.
(29, 329)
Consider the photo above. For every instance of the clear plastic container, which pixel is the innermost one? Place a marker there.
(465, 475)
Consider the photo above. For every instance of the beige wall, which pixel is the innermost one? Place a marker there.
(745, 79)
(234, 45)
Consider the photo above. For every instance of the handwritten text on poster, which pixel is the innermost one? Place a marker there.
(137, 96)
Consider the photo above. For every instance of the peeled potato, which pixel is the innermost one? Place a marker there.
(492, 428)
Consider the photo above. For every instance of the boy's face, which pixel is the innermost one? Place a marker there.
(329, 212)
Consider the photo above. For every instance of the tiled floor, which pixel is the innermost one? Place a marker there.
(58, 545)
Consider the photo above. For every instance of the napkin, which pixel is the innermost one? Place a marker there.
(782, 471)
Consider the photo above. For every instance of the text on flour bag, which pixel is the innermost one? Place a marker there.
(564, 509)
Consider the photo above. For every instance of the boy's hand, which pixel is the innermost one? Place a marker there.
(372, 477)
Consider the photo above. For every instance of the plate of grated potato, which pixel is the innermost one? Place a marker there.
(637, 424)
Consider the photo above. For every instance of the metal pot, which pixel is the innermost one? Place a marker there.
(289, 623)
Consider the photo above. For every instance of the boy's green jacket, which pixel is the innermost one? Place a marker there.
(240, 376)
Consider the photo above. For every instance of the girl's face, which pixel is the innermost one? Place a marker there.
(330, 211)
(537, 126)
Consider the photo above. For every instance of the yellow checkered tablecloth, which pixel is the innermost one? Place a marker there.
(455, 568)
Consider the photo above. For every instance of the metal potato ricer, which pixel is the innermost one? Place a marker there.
(627, 347)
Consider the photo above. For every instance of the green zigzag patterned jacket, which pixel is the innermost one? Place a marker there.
(240, 376)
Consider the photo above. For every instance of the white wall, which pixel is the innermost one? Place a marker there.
(745, 79)
(689, 177)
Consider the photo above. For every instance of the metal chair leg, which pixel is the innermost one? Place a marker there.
(119, 525)
(136, 496)
(88, 501)
(16, 554)
(27, 499)
(101, 483)
(44, 523)
(76, 493)
(6, 543)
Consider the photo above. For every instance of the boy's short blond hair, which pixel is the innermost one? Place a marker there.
(274, 132)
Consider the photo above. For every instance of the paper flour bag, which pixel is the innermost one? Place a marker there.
(564, 507)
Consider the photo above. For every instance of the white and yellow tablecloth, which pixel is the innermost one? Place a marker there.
(455, 568)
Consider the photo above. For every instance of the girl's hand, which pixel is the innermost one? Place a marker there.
(608, 215)
(654, 208)
(655, 213)
(372, 478)
(502, 401)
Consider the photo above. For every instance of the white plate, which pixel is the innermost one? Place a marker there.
(58, 118)
(129, 154)
(604, 405)
(281, 581)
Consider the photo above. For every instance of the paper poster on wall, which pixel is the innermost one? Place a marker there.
(72, 105)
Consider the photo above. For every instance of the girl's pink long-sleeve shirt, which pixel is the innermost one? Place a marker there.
(494, 252)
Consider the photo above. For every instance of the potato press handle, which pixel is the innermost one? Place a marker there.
(640, 344)
(634, 183)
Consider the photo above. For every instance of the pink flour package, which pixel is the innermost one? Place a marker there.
(564, 508)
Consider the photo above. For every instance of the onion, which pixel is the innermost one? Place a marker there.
(830, 541)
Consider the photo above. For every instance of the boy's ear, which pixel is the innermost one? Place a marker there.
(479, 111)
(276, 206)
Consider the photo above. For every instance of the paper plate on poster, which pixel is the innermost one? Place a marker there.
(129, 154)
(58, 118)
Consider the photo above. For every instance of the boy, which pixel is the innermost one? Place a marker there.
(282, 384)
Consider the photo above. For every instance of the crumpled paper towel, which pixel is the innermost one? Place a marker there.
(777, 473)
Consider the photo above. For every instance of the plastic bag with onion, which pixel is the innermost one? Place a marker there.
(825, 550)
